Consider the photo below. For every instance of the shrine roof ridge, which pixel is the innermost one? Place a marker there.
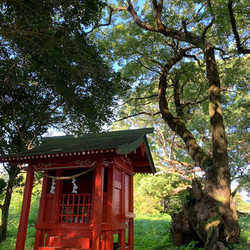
(99, 135)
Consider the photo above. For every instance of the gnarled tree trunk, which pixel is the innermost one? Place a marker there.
(205, 220)
(210, 215)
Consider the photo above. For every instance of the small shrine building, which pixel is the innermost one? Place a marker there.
(87, 191)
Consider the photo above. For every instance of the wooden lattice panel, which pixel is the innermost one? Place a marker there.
(75, 208)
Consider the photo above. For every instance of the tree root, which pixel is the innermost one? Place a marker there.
(203, 220)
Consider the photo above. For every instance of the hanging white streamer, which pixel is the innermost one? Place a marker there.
(75, 187)
(53, 187)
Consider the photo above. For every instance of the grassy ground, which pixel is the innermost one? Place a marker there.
(151, 232)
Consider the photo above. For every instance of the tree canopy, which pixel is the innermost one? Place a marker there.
(46, 43)
(185, 60)
(143, 51)
(51, 75)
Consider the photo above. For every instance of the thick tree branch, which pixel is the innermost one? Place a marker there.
(234, 28)
(136, 114)
(146, 67)
(177, 124)
(179, 108)
(139, 99)
(191, 20)
(111, 11)
(161, 28)
(136, 18)
(218, 176)
(177, 190)
(158, 9)
(207, 28)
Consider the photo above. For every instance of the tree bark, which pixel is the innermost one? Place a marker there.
(203, 220)
(210, 215)
(6, 205)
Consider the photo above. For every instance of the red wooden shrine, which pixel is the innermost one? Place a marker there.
(87, 192)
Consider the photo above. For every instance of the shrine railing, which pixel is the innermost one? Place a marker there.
(75, 208)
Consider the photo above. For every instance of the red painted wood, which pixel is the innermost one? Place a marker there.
(75, 208)
(131, 234)
(107, 210)
(108, 242)
(73, 242)
(121, 239)
(63, 248)
(39, 232)
(131, 220)
(122, 216)
(22, 230)
(54, 210)
(97, 206)
(111, 178)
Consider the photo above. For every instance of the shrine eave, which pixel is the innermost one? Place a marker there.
(120, 142)
(23, 158)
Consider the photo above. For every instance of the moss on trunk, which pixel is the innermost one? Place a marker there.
(206, 220)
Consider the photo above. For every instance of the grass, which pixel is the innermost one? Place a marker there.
(153, 232)
(150, 232)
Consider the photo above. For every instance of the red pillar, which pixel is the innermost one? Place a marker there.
(131, 221)
(39, 232)
(109, 239)
(123, 212)
(97, 203)
(22, 229)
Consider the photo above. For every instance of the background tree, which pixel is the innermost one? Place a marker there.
(178, 44)
(47, 43)
(26, 113)
(52, 75)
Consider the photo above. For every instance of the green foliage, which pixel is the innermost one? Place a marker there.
(241, 205)
(142, 55)
(150, 231)
(16, 205)
(245, 234)
(154, 194)
(153, 232)
(3, 185)
(14, 217)
(48, 50)
(191, 246)
(146, 204)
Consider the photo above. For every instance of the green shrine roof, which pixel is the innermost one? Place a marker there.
(124, 142)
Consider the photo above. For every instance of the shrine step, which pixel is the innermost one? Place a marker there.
(70, 242)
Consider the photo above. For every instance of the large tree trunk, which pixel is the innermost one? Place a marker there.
(210, 215)
(205, 220)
